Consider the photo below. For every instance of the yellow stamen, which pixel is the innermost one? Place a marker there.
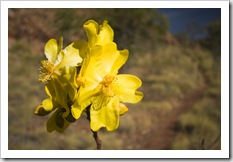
(46, 71)
(108, 85)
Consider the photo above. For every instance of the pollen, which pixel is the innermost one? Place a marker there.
(108, 85)
(46, 71)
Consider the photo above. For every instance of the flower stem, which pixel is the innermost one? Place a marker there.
(95, 134)
(97, 140)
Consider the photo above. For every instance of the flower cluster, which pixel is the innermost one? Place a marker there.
(84, 76)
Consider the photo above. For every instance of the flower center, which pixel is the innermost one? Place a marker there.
(46, 71)
(108, 85)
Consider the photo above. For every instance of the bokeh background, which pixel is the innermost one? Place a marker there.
(175, 52)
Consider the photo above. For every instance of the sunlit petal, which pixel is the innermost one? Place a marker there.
(127, 85)
(122, 108)
(105, 116)
(112, 59)
(91, 28)
(71, 58)
(84, 99)
(49, 104)
(51, 50)
(105, 34)
(76, 110)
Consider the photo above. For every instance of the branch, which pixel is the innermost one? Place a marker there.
(97, 140)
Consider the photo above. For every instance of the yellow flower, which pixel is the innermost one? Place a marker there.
(95, 85)
(60, 101)
(100, 86)
(59, 72)
(57, 59)
(106, 106)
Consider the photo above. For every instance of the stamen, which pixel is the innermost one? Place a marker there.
(108, 85)
(46, 71)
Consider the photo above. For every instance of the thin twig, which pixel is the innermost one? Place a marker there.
(203, 144)
(97, 140)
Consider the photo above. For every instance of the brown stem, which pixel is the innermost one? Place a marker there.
(95, 134)
(97, 140)
(203, 144)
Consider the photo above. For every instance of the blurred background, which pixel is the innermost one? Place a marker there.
(176, 53)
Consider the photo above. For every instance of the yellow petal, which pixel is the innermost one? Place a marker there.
(89, 82)
(89, 63)
(61, 94)
(83, 99)
(103, 60)
(73, 52)
(71, 58)
(51, 50)
(98, 34)
(56, 122)
(81, 46)
(76, 110)
(127, 85)
(112, 59)
(105, 34)
(69, 80)
(49, 89)
(41, 111)
(107, 115)
(50, 104)
(91, 28)
(90, 69)
(122, 108)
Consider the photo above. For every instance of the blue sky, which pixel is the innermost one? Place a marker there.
(180, 17)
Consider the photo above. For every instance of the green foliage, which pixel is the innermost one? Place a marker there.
(140, 25)
(65, 22)
(213, 40)
(213, 43)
